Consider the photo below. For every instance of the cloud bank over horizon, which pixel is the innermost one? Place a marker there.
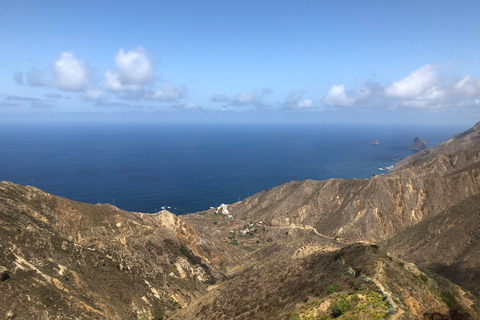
(422, 88)
(135, 79)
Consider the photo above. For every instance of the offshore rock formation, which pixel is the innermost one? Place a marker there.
(385, 247)
(418, 144)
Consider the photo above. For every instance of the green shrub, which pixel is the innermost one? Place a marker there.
(293, 316)
(339, 308)
(158, 314)
(449, 299)
(333, 288)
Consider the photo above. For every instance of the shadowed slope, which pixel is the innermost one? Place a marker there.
(448, 243)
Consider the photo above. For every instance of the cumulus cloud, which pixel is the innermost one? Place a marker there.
(100, 99)
(134, 66)
(134, 70)
(70, 73)
(304, 104)
(168, 92)
(337, 96)
(245, 98)
(294, 100)
(135, 78)
(113, 83)
(420, 89)
(188, 107)
(414, 84)
(430, 98)
(467, 86)
(253, 98)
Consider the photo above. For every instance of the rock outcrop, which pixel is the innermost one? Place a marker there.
(418, 144)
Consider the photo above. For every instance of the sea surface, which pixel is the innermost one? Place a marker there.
(192, 167)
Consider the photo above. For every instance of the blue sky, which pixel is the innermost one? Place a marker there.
(383, 61)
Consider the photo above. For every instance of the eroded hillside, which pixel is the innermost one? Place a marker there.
(355, 282)
(61, 258)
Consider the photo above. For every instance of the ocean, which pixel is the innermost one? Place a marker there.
(192, 167)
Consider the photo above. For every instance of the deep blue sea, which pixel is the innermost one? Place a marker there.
(191, 167)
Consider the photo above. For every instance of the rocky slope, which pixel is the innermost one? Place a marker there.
(374, 209)
(448, 243)
(302, 250)
(61, 258)
(355, 282)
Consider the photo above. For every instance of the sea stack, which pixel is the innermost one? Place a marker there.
(418, 144)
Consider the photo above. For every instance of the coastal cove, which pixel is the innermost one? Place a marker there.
(191, 167)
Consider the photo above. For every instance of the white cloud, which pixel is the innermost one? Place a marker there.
(253, 98)
(70, 74)
(414, 84)
(135, 79)
(294, 100)
(244, 99)
(113, 83)
(467, 87)
(134, 71)
(420, 89)
(168, 92)
(337, 97)
(134, 67)
(430, 98)
(304, 104)
(188, 107)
